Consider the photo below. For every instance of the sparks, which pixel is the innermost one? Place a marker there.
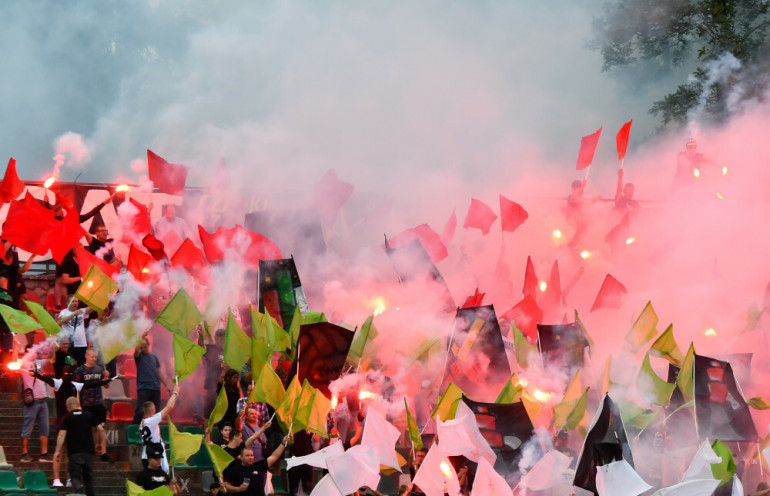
(49, 182)
(379, 305)
(122, 188)
(556, 234)
(630, 240)
(543, 286)
(710, 332)
(14, 365)
(696, 172)
(724, 170)
(585, 254)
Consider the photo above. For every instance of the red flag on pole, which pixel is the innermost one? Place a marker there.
(480, 216)
(587, 149)
(11, 187)
(526, 315)
(252, 247)
(190, 257)
(449, 229)
(610, 294)
(168, 178)
(86, 260)
(29, 226)
(474, 300)
(428, 238)
(530, 280)
(622, 139)
(139, 263)
(512, 215)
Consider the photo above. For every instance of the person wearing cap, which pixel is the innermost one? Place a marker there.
(153, 476)
(245, 476)
(690, 164)
(77, 431)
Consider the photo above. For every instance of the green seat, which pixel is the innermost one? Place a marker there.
(8, 481)
(387, 485)
(201, 459)
(164, 433)
(35, 481)
(215, 434)
(15, 494)
(132, 435)
(193, 429)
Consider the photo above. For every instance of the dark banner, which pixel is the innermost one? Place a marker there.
(321, 351)
(279, 290)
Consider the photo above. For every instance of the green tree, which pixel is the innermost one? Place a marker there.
(651, 37)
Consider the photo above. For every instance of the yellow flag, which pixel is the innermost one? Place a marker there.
(665, 346)
(219, 458)
(268, 387)
(182, 445)
(511, 392)
(312, 410)
(446, 408)
(644, 329)
(287, 409)
(220, 408)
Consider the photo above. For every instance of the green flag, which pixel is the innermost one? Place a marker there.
(237, 344)
(96, 289)
(511, 392)
(665, 346)
(411, 425)
(636, 416)
(425, 349)
(651, 387)
(446, 408)
(644, 329)
(133, 489)
(187, 355)
(312, 410)
(758, 403)
(182, 445)
(112, 344)
(266, 329)
(268, 387)
(568, 414)
(288, 406)
(314, 318)
(362, 337)
(18, 321)
(220, 408)
(725, 469)
(180, 315)
(522, 347)
(41, 314)
(219, 458)
(260, 355)
(685, 381)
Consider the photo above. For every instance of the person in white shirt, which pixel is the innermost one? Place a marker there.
(37, 411)
(72, 322)
(149, 428)
(170, 222)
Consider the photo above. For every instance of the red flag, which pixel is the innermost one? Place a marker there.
(139, 263)
(86, 260)
(171, 241)
(530, 280)
(141, 225)
(474, 300)
(29, 226)
(449, 229)
(168, 178)
(587, 149)
(480, 216)
(526, 315)
(330, 195)
(622, 139)
(251, 246)
(11, 187)
(610, 294)
(155, 247)
(512, 215)
(67, 235)
(553, 291)
(428, 238)
(189, 257)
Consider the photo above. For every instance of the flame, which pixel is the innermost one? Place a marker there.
(49, 182)
(365, 395)
(724, 170)
(710, 332)
(14, 365)
(444, 466)
(696, 172)
(542, 396)
(379, 305)
(630, 240)
(90, 284)
(122, 188)
(543, 286)
(556, 234)
(334, 402)
(146, 270)
(585, 254)
(720, 196)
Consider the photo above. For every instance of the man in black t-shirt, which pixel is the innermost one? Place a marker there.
(245, 475)
(153, 476)
(77, 430)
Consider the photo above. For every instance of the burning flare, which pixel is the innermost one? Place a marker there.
(543, 286)
(379, 305)
(724, 170)
(630, 240)
(556, 234)
(585, 254)
(334, 402)
(365, 395)
(710, 332)
(49, 182)
(542, 396)
(120, 188)
(696, 172)
(14, 365)
(444, 466)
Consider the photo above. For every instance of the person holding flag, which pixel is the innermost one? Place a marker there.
(690, 164)
(247, 476)
(624, 195)
(149, 428)
(153, 476)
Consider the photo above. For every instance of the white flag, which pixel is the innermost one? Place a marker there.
(326, 487)
(619, 479)
(436, 475)
(547, 472)
(488, 482)
(381, 437)
(694, 487)
(700, 467)
(461, 436)
(317, 459)
(354, 468)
